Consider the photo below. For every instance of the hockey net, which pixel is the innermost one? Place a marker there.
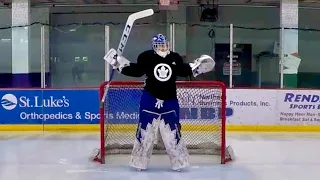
(202, 117)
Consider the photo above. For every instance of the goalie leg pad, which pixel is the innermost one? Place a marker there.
(144, 141)
(175, 146)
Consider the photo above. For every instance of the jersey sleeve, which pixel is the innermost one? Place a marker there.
(183, 69)
(135, 69)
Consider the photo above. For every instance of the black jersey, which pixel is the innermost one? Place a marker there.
(161, 73)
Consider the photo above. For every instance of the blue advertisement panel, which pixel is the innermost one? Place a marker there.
(122, 106)
(81, 107)
(49, 106)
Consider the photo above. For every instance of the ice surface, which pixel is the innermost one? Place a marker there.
(64, 156)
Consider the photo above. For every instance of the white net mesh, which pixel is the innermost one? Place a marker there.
(200, 116)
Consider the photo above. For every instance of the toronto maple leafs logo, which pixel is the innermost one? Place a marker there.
(162, 72)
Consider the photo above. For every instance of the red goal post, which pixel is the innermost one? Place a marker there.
(202, 114)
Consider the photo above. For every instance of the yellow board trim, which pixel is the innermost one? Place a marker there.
(120, 128)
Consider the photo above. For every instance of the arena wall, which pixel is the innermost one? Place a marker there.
(78, 110)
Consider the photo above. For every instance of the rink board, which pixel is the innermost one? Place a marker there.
(72, 110)
(95, 128)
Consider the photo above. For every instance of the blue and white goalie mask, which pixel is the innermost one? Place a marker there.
(160, 45)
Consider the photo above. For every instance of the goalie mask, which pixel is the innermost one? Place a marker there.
(160, 45)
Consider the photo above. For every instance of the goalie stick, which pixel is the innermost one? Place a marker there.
(122, 44)
(124, 38)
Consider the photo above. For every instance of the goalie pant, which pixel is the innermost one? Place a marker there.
(166, 120)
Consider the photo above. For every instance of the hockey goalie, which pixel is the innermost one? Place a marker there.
(159, 107)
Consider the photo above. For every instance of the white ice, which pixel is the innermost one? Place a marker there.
(64, 156)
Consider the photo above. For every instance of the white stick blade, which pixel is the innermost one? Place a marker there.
(126, 32)
(141, 14)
